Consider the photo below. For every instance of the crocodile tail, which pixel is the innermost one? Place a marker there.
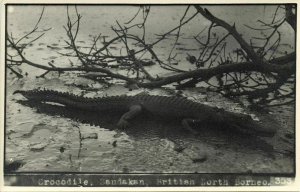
(49, 96)
(18, 91)
(75, 101)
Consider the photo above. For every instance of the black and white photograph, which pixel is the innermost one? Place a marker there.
(149, 95)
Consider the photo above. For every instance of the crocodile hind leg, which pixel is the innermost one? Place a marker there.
(134, 110)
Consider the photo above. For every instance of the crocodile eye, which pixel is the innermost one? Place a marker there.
(245, 118)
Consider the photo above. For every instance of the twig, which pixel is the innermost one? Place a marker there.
(15, 72)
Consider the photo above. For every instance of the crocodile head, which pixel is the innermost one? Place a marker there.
(245, 124)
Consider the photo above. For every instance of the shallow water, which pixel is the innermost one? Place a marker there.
(99, 20)
(52, 138)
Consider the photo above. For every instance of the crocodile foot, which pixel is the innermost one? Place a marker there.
(123, 124)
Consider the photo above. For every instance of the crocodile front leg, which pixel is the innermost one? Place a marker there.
(186, 124)
(134, 110)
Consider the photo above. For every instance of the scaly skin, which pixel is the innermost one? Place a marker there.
(171, 107)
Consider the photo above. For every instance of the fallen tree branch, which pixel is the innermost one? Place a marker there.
(205, 74)
(290, 17)
(232, 30)
(233, 72)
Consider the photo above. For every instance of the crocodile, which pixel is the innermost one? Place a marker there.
(172, 107)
